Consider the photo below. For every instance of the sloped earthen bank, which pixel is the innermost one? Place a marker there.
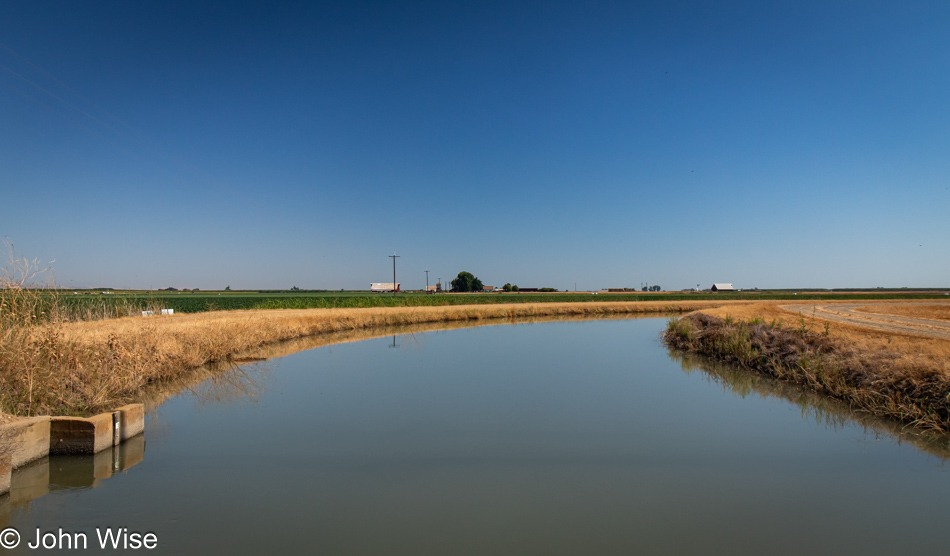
(878, 381)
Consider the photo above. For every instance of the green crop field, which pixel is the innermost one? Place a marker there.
(117, 302)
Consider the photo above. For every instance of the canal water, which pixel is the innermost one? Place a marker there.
(544, 438)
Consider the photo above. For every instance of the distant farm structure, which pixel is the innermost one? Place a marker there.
(723, 287)
(384, 287)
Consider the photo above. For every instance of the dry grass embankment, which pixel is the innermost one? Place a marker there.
(84, 367)
(897, 375)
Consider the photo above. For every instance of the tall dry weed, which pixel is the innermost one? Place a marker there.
(22, 308)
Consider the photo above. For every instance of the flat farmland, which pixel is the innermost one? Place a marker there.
(118, 302)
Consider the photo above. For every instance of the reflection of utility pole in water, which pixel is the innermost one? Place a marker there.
(394, 256)
(394, 344)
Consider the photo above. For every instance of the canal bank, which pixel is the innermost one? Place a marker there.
(895, 376)
(84, 368)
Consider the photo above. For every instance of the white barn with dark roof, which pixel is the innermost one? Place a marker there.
(722, 287)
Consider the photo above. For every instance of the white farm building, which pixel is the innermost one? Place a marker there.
(723, 287)
(381, 287)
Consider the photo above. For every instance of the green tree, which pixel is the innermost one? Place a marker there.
(514, 288)
(227, 288)
(466, 282)
(506, 287)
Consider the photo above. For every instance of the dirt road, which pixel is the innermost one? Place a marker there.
(846, 313)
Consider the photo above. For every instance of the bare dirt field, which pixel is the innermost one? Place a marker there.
(926, 319)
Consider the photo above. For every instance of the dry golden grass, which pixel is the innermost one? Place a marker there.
(905, 375)
(917, 310)
(927, 351)
(84, 367)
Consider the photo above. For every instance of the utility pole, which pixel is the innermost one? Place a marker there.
(440, 283)
(394, 256)
(427, 281)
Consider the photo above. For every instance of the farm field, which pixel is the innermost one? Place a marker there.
(118, 302)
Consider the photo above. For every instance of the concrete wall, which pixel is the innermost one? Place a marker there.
(26, 440)
(129, 422)
(77, 435)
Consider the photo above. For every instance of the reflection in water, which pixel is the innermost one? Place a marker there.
(283, 349)
(243, 377)
(822, 410)
(214, 383)
(65, 472)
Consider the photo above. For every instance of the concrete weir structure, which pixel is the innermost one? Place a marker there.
(30, 439)
(81, 435)
(128, 421)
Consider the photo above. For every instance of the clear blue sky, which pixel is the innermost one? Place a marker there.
(271, 144)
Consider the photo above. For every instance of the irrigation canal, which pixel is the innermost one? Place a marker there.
(554, 438)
